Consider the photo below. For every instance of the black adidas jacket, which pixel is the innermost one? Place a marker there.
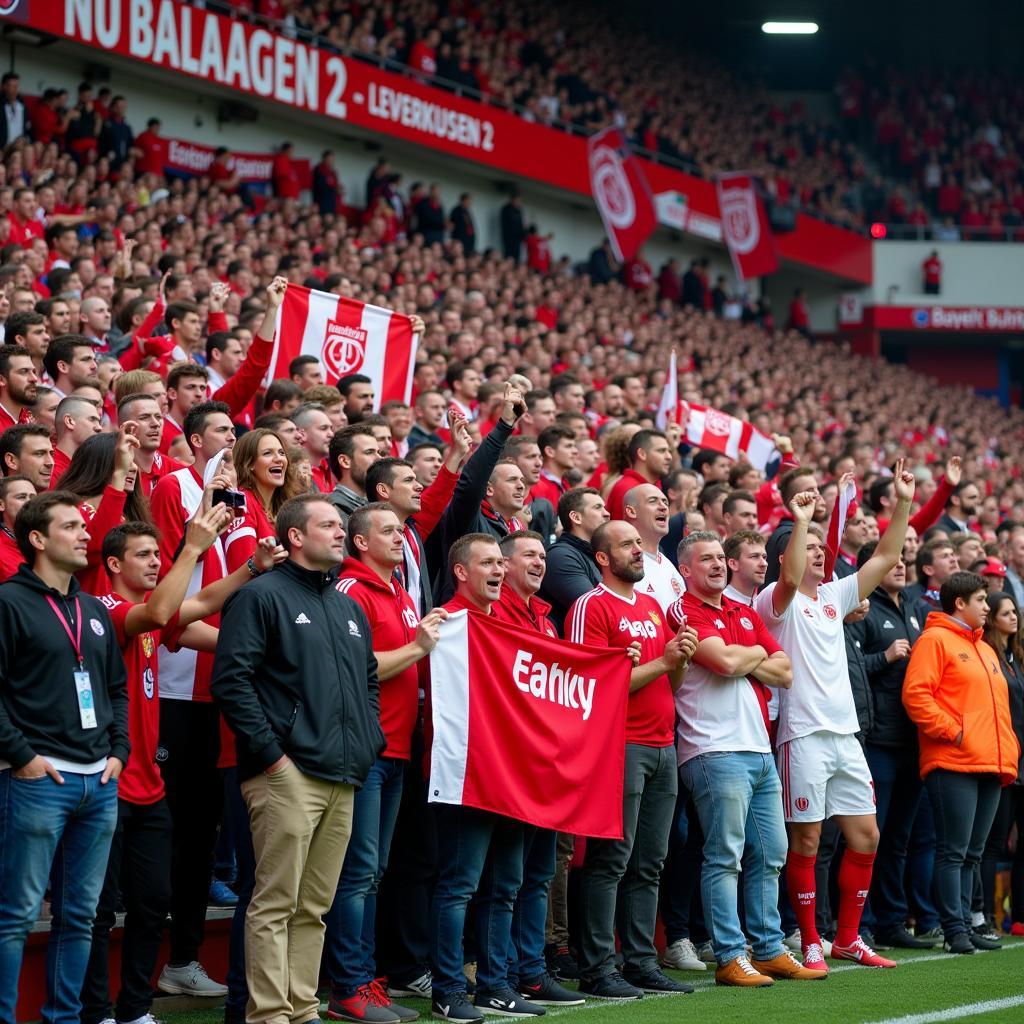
(38, 701)
(295, 674)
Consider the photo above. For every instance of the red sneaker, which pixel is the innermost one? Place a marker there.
(367, 1005)
(814, 958)
(1017, 928)
(860, 952)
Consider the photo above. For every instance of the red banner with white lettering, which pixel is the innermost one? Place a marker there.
(347, 336)
(528, 726)
(745, 227)
(188, 159)
(621, 192)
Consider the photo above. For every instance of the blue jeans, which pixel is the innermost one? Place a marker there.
(530, 915)
(481, 855)
(61, 834)
(350, 939)
(898, 793)
(739, 802)
(236, 818)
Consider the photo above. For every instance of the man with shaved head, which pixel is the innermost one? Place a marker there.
(76, 420)
(646, 508)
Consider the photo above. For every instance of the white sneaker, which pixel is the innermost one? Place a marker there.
(681, 956)
(706, 953)
(418, 988)
(190, 980)
(146, 1018)
(792, 941)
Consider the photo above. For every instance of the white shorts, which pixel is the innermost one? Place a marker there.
(824, 774)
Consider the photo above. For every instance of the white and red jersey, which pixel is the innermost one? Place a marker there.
(163, 465)
(601, 618)
(721, 713)
(141, 781)
(185, 674)
(393, 622)
(662, 580)
(246, 531)
(810, 631)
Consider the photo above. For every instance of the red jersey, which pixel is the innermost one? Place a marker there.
(185, 674)
(393, 621)
(99, 521)
(60, 466)
(601, 618)
(10, 556)
(616, 502)
(286, 181)
(531, 614)
(141, 781)
(322, 477)
(162, 466)
(154, 154)
(167, 438)
(538, 253)
(246, 531)
(7, 420)
(549, 487)
(22, 233)
(932, 270)
(423, 58)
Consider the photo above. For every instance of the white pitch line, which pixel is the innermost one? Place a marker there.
(956, 1012)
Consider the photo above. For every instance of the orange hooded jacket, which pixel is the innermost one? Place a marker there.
(954, 684)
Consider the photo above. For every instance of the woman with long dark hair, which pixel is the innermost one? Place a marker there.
(105, 480)
(1004, 634)
(267, 480)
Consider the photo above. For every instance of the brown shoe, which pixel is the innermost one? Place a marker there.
(740, 974)
(787, 967)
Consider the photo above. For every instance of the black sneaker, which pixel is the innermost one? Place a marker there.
(900, 938)
(561, 963)
(612, 987)
(656, 982)
(960, 944)
(981, 941)
(872, 940)
(503, 1002)
(545, 991)
(455, 1007)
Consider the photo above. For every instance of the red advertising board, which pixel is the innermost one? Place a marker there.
(259, 63)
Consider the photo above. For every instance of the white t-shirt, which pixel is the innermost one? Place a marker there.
(661, 580)
(811, 633)
(773, 693)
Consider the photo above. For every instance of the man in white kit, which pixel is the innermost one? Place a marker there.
(646, 508)
(823, 770)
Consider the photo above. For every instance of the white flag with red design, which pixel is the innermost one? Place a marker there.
(670, 408)
(717, 430)
(347, 336)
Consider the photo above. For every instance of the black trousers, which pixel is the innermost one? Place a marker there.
(139, 870)
(189, 749)
(403, 900)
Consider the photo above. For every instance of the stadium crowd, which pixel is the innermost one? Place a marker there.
(150, 480)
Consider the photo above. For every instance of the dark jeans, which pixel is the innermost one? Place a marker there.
(139, 870)
(898, 791)
(189, 748)
(619, 880)
(921, 868)
(1010, 810)
(479, 855)
(236, 817)
(58, 834)
(350, 940)
(530, 914)
(964, 804)
(403, 902)
(681, 910)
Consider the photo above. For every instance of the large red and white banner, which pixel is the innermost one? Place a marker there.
(528, 726)
(621, 192)
(347, 336)
(711, 428)
(745, 227)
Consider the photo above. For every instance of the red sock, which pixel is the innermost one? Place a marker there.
(802, 892)
(854, 882)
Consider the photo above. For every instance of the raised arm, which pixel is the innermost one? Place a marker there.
(890, 547)
(794, 561)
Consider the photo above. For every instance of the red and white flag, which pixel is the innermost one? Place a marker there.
(845, 506)
(528, 726)
(670, 408)
(347, 336)
(621, 192)
(745, 227)
(711, 428)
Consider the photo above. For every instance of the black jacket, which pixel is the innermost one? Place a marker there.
(543, 520)
(295, 674)
(886, 622)
(776, 548)
(463, 514)
(345, 501)
(863, 699)
(1014, 673)
(38, 701)
(571, 572)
